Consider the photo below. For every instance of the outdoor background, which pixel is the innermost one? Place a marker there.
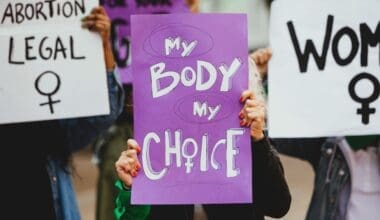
(299, 174)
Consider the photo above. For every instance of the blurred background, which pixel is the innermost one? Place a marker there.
(299, 174)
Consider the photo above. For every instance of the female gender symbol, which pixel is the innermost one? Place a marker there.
(365, 110)
(48, 94)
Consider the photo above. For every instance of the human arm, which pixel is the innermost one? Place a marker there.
(124, 210)
(127, 167)
(270, 189)
(79, 132)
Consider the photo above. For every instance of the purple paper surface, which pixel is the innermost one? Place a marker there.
(193, 148)
(119, 12)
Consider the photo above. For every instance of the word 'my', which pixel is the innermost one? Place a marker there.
(179, 44)
(367, 38)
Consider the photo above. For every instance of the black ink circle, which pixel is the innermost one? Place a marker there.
(36, 84)
(373, 80)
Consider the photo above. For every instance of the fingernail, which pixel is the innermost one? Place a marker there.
(138, 167)
(241, 99)
(241, 123)
(241, 116)
(138, 149)
(134, 174)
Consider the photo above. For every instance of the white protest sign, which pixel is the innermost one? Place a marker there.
(51, 68)
(324, 74)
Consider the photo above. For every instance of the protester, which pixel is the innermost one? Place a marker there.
(347, 178)
(37, 179)
(271, 193)
(107, 148)
(109, 145)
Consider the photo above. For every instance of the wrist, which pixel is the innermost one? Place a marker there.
(125, 187)
(257, 136)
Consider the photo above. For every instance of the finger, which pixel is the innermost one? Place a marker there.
(245, 122)
(255, 116)
(96, 17)
(126, 178)
(132, 144)
(255, 56)
(253, 103)
(98, 9)
(260, 58)
(97, 27)
(88, 23)
(131, 153)
(269, 53)
(123, 164)
(247, 94)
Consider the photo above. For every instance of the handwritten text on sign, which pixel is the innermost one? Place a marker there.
(187, 83)
(331, 75)
(50, 65)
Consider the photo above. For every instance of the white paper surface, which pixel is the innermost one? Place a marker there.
(44, 53)
(317, 102)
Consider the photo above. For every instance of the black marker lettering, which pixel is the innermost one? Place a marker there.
(368, 38)
(354, 46)
(48, 49)
(67, 9)
(19, 15)
(8, 13)
(28, 47)
(81, 6)
(72, 50)
(59, 48)
(10, 54)
(51, 9)
(303, 57)
(29, 8)
(39, 12)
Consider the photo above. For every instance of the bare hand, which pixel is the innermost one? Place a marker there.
(128, 165)
(261, 58)
(98, 21)
(253, 114)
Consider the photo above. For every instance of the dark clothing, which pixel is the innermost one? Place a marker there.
(270, 193)
(29, 189)
(25, 180)
(271, 196)
(332, 176)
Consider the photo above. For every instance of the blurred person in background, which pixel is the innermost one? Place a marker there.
(109, 145)
(37, 183)
(347, 169)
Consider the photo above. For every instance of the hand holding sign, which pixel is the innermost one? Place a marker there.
(98, 21)
(252, 115)
(128, 165)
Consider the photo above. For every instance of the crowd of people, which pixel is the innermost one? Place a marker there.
(37, 184)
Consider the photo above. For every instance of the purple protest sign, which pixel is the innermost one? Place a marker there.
(119, 12)
(189, 71)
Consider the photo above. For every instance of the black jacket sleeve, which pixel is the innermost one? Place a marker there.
(271, 193)
(308, 149)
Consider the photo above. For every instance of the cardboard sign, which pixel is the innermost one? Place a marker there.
(189, 72)
(324, 74)
(51, 68)
(120, 11)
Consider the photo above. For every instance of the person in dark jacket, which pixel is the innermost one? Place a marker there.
(36, 156)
